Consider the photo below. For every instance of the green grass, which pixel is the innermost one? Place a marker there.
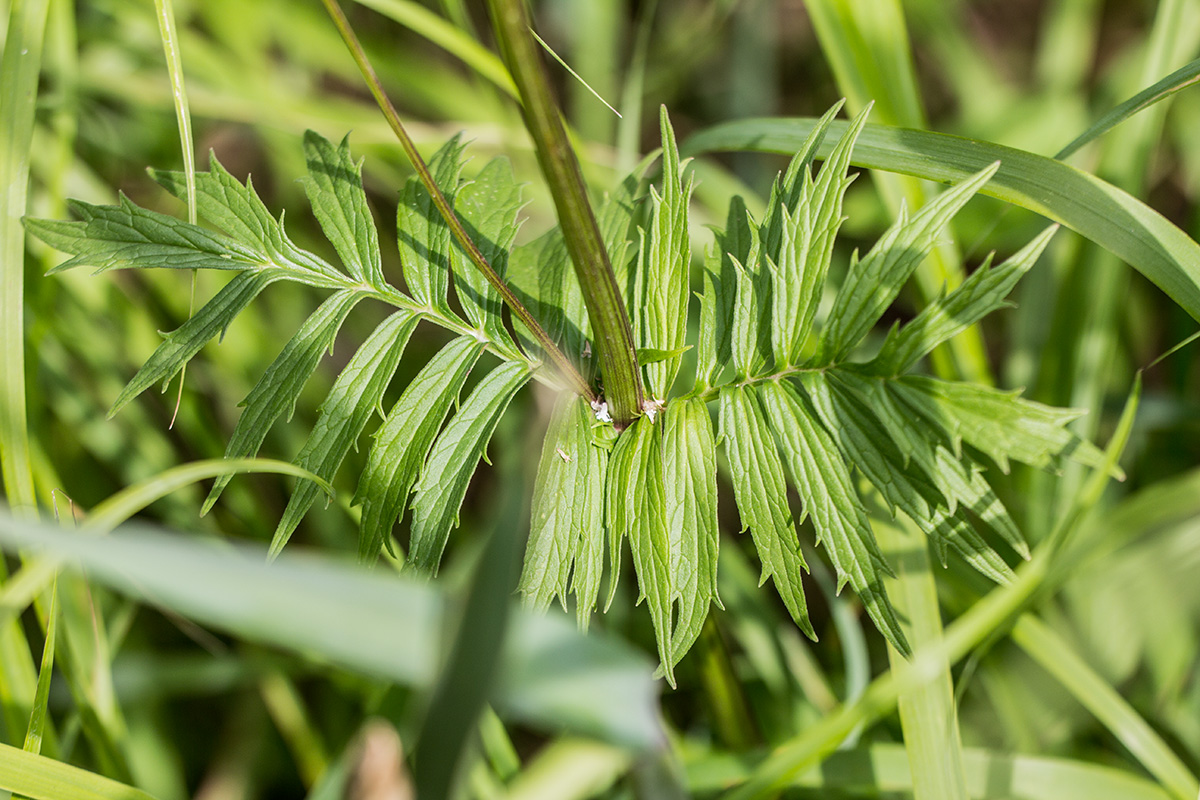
(179, 662)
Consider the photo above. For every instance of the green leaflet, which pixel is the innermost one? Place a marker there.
(421, 233)
(979, 295)
(665, 265)
(903, 483)
(127, 236)
(277, 389)
(690, 482)
(798, 233)
(929, 444)
(186, 341)
(999, 424)
(403, 441)
(733, 245)
(707, 369)
(566, 528)
(745, 338)
(637, 509)
(761, 494)
(488, 208)
(452, 461)
(334, 188)
(355, 395)
(235, 208)
(875, 281)
(821, 478)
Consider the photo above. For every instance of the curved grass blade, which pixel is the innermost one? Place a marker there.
(183, 343)
(1095, 209)
(1178, 80)
(39, 778)
(279, 387)
(550, 675)
(761, 494)
(452, 462)
(403, 441)
(335, 191)
(821, 478)
(354, 397)
(41, 698)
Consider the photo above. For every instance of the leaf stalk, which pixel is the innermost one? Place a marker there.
(601, 295)
(573, 376)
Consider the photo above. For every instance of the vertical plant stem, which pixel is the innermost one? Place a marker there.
(606, 309)
(577, 381)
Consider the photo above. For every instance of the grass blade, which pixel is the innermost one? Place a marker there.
(40, 778)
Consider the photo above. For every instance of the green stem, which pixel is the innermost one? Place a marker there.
(518, 308)
(606, 310)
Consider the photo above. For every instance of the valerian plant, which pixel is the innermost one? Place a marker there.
(795, 405)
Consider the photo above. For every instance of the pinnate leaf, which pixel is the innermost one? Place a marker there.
(334, 188)
(452, 461)
(355, 395)
(566, 536)
(276, 391)
(186, 341)
(637, 509)
(761, 494)
(690, 482)
(421, 233)
(403, 440)
(823, 482)
(875, 281)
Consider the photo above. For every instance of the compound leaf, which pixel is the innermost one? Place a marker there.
(355, 395)
(761, 495)
(186, 341)
(452, 461)
(276, 391)
(334, 188)
(403, 441)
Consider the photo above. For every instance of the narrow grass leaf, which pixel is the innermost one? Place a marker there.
(354, 397)
(667, 267)
(1121, 224)
(276, 392)
(823, 482)
(403, 441)
(875, 281)
(488, 206)
(41, 698)
(550, 675)
(36, 777)
(567, 528)
(235, 207)
(452, 462)
(421, 233)
(637, 509)
(761, 495)
(335, 191)
(979, 295)
(690, 482)
(181, 344)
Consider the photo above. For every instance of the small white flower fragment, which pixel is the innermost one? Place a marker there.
(652, 407)
(601, 409)
(563, 454)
